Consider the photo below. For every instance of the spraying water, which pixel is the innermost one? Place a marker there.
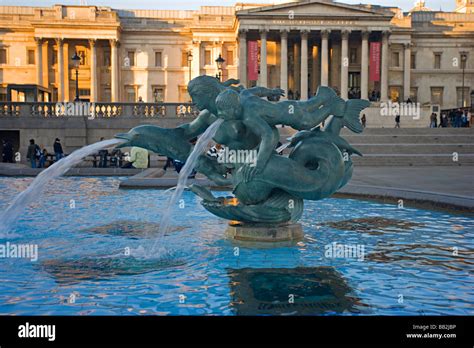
(187, 169)
(22, 200)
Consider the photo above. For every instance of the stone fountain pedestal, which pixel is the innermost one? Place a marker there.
(265, 233)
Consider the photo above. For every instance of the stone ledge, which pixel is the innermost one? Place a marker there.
(265, 233)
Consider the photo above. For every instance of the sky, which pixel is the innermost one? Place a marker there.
(445, 5)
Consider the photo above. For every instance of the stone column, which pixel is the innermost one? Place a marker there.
(384, 82)
(406, 71)
(93, 48)
(364, 66)
(243, 57)
(263, 58)
(304, 65)
(324, 57)
(196, 62)
(344, 63)
(315, 69)
(284, 61)
(39, 61)
(114, 83)
(296, 67)
(61, 95)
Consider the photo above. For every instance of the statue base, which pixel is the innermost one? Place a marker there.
(265, 233)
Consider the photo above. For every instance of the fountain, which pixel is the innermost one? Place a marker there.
(268, 188)
(42, 179)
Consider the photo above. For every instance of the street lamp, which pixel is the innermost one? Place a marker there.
(76, 60)
(463, 65)
(190, 59)
(219, 61)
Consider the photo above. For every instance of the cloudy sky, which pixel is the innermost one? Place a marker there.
(445, 5)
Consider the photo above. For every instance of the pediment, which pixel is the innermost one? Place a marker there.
(312, 8)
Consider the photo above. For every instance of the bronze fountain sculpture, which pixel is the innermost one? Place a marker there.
(271, 189)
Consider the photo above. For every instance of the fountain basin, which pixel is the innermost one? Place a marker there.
(264, 233)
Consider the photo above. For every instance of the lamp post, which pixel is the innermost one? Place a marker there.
(76, 60)
(190, 59)
(219, 61)
(463, 66)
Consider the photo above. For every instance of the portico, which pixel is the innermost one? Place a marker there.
(309, 44)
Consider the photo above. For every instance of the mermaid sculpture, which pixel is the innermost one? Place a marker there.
(272, 188)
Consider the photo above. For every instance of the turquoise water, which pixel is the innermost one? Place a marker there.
(410, 261)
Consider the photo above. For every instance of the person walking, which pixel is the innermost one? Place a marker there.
(433, 120)
(58, 149)
(33, 153)
(397, 121)
(363, 120)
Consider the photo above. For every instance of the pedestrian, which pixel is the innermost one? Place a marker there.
(42, 159)
(169, 163)
(103, 156)
(58, 149)
(7, 153)
(363, 120)
(397, 121)
(33, 153)
(138, 158)
(458, 118)
(433, 120)
(468, 118)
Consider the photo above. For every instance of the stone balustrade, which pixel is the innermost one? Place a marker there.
(98, 110)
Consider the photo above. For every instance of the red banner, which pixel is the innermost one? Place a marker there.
(374, 61)
(252, 60)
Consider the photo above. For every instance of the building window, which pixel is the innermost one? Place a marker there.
(459, 96)
(353, 55)
(3, 56)
(230, 57)
(107, 58)
(413, 61)
(414, 94)
(158, 94)
(82, 54)
(437, 95)
(184, 95)
(184, 58)
(107, 95)
(130, 59)
(30, 55)
(396, 59)
(3, 94)
(54, 57)
(437, 60)
(130, 94)
(158, 59)
(84, 92)
(207, 57)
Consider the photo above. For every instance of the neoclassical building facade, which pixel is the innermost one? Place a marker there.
(150, 55)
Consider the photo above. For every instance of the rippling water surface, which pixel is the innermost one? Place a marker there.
(410, 261)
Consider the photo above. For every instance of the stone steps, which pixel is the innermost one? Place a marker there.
(413, 160)
(416, 148)
(411, 146)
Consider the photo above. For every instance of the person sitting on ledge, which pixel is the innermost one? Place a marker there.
(138, 158)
